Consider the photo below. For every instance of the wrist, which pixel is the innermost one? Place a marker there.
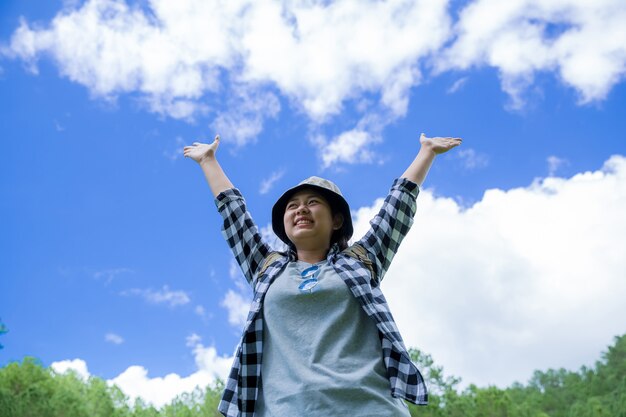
(207, 159)
(427, 149)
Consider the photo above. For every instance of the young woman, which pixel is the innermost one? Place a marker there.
(319, 339)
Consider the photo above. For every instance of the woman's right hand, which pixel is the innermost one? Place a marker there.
(201, 151)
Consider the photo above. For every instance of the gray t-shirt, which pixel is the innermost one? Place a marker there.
(321, 353)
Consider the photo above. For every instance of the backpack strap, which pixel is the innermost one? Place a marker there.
(359, 253)
(355, 251)
(270, 259)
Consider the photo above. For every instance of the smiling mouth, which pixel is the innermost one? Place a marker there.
(303, 222)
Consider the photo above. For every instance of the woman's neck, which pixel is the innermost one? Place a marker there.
(312, 256)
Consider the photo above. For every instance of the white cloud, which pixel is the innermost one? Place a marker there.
(470, 159)
(235, 274)
(179, 56)
(237, 305)
(554, 163)
(77, 365)
(114, 338)
(207, 359)
(268, 235)
(457, 85)
(235, 62)
(112, 48)
(135, 381)
(320, 54)
(584, 42)
(528, 278)
(349, 147)
(108, 275)
(268, 183)
(246, 109)
(164, 296)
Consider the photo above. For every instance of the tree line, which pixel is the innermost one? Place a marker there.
(28, 389)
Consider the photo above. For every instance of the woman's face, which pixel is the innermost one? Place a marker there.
(308, 220)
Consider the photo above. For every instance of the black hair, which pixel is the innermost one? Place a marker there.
(339, 235)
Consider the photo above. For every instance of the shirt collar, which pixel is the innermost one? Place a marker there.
(332, 253)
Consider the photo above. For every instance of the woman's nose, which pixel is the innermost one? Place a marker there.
(302, 208)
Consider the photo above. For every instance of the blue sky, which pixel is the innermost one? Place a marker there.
(112, 254)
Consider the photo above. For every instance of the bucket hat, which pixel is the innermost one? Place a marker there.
(328, 190)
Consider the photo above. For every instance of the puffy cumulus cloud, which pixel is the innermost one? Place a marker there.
(237, 305)
(181, 56)
(348, 147)
(352, 146)
(246, 110)
(583, 41)
(112, 48)
(322, 53)
(135, 381)
(78, 366)
(235, 61)
(528, 278)
(272, 240)
(237, 302)
(207, 359)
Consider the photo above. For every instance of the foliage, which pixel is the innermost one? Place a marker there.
(28, 389)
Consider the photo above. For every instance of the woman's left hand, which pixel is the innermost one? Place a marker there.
(439, 145)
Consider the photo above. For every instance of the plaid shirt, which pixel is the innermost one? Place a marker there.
(381, 242)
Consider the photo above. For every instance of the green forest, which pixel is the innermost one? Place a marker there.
(28, 389)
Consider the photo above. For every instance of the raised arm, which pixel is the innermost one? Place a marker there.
(239, 230)
(430, 147)
(204, 155)
(395, 217)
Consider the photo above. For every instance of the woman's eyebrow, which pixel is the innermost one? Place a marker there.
(304, 196)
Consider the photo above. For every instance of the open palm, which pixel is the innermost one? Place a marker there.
(199, 151)
(440, 145)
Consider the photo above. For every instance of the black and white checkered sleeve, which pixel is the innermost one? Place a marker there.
(241, 233)
(390, 225)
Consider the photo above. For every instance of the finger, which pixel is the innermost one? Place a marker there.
(217, 137)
